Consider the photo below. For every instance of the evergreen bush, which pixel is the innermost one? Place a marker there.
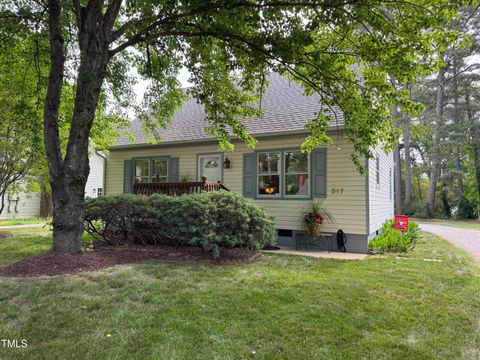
(208, 220)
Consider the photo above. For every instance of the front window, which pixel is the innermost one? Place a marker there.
(296, 173)
(142, 171)
(268, 173)
(160, 170)
(151, 170)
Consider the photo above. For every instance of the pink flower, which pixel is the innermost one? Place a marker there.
(318, 218)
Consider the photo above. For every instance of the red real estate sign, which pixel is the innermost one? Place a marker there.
(401, 222)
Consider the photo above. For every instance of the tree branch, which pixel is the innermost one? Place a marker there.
(110, 17)
(139, 36)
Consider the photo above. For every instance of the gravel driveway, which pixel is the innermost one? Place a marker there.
(466, 239)
(22, 226)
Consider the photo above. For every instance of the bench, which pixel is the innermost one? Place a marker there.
(320, 239)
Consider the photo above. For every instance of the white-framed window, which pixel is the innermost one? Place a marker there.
(297, 169)
(283, 174)
(151, 170)
(211, 166)
(377, 170)
(142, 171)
(268, 173)
(99, 192)
(160, 170)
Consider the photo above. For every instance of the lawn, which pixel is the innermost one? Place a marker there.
(280, 307)
(463, 224)
(9, 222)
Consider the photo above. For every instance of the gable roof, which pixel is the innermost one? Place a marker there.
(286, 109)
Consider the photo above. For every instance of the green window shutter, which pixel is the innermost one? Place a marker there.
(128, 176)
(319, 172)
(173, 169)
(249, 167)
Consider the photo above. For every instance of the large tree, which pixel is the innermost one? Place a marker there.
(341, 49)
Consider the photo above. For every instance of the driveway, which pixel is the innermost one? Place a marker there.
(22, 226)
(467, 239)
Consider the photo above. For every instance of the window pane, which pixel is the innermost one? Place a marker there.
(211, 167)
(141, 171)
(296, 184)
(160, 170)
(269, 185)
(268, 162)
(296, 162)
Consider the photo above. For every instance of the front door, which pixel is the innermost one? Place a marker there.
(210, 165)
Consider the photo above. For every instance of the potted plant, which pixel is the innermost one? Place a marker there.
(314, 217)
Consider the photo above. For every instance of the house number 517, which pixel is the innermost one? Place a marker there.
(337, 191)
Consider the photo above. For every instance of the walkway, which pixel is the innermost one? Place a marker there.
(318, 254)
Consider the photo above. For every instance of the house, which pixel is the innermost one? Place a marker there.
(276, 175)
(27, 205)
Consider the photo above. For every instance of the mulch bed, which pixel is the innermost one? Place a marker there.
(107, 256)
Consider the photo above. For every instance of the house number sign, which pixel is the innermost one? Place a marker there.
(337, 191)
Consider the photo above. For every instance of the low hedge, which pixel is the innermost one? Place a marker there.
(209, 220)
(392, 240)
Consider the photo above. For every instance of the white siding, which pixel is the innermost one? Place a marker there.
(29, 203)
(28, 206)
(96, 177)
(380, 195)
(348, 208)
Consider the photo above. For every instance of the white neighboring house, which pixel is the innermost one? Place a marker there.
(27, 205)
(95, 181)
(21, 206)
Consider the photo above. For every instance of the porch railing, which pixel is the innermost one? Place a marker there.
(177, 188)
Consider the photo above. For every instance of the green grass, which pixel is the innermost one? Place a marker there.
(25, 242)
(463, 224)
(10, 222)
(280, 307)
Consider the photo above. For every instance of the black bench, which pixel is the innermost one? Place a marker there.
(320, 239)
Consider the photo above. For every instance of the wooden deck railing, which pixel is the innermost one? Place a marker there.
(177, 188)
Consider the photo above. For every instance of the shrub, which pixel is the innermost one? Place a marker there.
(208, 220)
(394, 240)
(466, 209)
(417, 210)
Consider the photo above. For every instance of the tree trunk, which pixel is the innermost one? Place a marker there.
(69, 175)
(475, 146)
(2, 200)
(397, 171)
(397, 164)
(68, 215)
(446, 205)
(457, 119)
(397, 181)
(434, 167)
(419, 185)
(408, 162)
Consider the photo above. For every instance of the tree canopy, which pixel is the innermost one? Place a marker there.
(345, 50)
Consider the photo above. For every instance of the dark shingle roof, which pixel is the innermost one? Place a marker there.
(284, 104)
